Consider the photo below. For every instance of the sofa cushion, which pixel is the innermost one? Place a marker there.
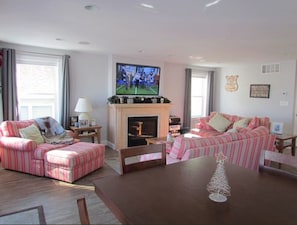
(181, 143)
(255, 122)
(244, 122)
(32, 132)
(259, 131)
(219, 122)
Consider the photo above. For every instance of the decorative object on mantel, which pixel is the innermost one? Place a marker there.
(231, 84)
(218, 186)
(259, 90)
(113, 99)
(124, 99)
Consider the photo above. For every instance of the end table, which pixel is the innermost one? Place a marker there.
(89, 132)
(286, 140)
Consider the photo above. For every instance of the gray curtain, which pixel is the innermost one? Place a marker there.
(210, 107)
(9, 90)
(187, 101)
(65, 96)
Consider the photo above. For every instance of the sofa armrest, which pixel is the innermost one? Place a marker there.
(70, 133)
(16, 143)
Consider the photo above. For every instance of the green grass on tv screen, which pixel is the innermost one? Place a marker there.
(123, 90)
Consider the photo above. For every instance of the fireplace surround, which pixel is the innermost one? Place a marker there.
(118, 114)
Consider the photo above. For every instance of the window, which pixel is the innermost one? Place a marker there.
(199, 94)
(38, 85)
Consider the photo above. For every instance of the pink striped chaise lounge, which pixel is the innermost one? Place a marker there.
(65, 162)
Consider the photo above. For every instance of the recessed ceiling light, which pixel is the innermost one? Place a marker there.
(91, 7)
(212, 3)
(196, 57)
(84, 43)
(147, 5)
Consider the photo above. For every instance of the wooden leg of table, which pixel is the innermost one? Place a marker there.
(293, 146)
(98, 136)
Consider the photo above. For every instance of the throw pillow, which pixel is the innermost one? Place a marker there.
(31, 132)
(255, 122)
(241, 123)
(219, 123)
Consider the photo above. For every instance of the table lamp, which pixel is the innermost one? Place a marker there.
(83, 106)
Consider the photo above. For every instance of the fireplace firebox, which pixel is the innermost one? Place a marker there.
(140, 128)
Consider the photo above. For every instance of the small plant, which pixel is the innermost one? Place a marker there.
(113, 99)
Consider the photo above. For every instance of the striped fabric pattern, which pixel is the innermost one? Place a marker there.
(74, 161)
(21, 161)
(244, 153)
(17, 143)
(11, 128)
(181, 144)
(204, 130)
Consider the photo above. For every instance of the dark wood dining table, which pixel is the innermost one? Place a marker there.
(177, 194)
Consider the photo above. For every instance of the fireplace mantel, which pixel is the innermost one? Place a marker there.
(118, 114)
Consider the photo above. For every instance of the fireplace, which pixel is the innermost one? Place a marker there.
(140, 128)
(118, 114)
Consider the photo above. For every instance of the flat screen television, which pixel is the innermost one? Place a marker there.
(135, 79)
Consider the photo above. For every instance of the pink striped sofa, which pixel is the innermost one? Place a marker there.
(203, 129)
(60, 161)
(241, 148)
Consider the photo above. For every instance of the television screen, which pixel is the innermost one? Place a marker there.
(137, 79)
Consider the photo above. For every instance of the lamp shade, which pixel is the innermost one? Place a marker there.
(83, 105)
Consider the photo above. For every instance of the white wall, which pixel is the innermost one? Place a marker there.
(89, 76)
(93, 76)
(240, 103)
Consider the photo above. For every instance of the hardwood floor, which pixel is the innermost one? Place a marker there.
(20, 190)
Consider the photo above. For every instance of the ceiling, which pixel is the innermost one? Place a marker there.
(177, 31)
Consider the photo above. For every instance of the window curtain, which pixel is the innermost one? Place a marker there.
(8, 80)
(65, 96)
(187, 101)
(210, 98)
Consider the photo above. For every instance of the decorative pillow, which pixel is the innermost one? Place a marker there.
(241, 123)
(255, 122)
(31, 132)
(219, 123)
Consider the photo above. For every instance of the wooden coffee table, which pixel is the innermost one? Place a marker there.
(158, 140)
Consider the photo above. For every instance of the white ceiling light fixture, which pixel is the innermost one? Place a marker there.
(147, 5)
(91, 7)
(212, 3)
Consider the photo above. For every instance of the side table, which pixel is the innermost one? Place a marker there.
(89, 132)
(286, 140)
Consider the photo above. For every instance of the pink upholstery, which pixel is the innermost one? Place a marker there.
(26, 156)
(245, 152)
(181, 144)
(11, 128)
(242, 149)
(204, 130)
(74, 161)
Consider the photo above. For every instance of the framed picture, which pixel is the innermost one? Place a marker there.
(277, 127)
(73, 120)
(259, 90)
(83, 123)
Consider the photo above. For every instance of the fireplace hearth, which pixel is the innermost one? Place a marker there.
(140, 128)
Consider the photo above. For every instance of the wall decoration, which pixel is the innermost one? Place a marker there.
(259, 90)
(277, 127)
(73, 120)
(231, 84)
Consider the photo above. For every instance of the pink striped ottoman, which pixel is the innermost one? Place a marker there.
(73, 161)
